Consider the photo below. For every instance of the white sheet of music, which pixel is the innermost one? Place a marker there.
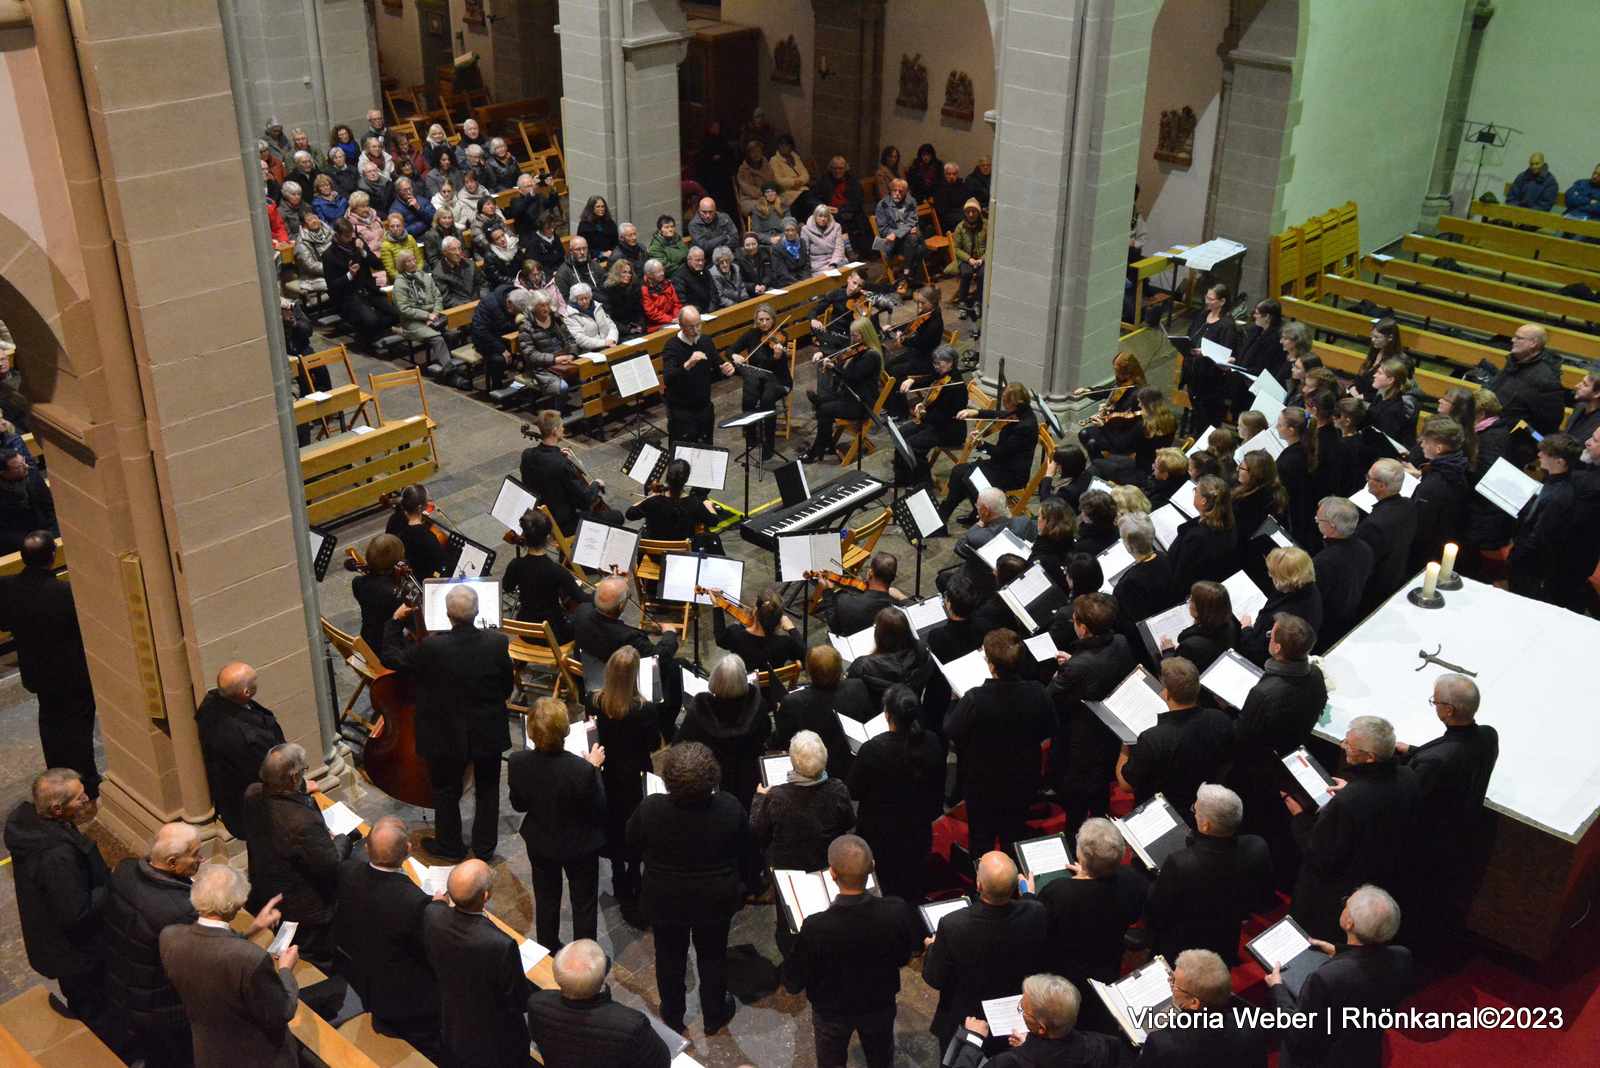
(723, 574)
(1183, 500)
(286, 932)
(965, 672)
(1031, 584)
(340, 818)
(1267, 441)
(1281, 943)
(935, 911)
(602, 548)
(1245, 596)
(645, 463)
(1231, 677)
(979, 480)
(693, 684)
(1309, 778)
(1042, 646)
(580, 737)
(1044, 856)
(1207, 254)
(804, 891)
(510, 503)
(1167, 519)
(1113, 562)
(1019, 608)
(531, 953)
(1506, 487)
(1267, 386)
(1364, 500)
(433, 597)
(1146, 988)
(923, 511)
(1169, 624)
(1214, 352)
(1135, 703)
(708, 468)
(799, 553)
(854, 646)
(1002, 543)
(635, 376)
(1200, 441)
(775, 769)
(1004, 1016)
(1151, 822)
(654, 784)
(862, 733)
(925, 613)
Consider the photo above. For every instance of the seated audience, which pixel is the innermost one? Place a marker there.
(1534, 188)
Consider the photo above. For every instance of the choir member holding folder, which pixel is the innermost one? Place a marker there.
(1189, 744)
(1201, 984)
(628, 728)
(897, 780)
(1295, 592)
(815, 707)
(794, 821)
(1213, 630)
(731, 718)
(1084, 752)
(1206, 548)
(1090, 912)
(897, 658)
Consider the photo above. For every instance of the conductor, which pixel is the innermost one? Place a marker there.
(463, 679)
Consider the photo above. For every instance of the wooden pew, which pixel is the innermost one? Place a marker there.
(1522, 243)
(1550, 221)
(1434, 384)
(349, 472)
(1431, 310)
(35, 1035)
(1503, 294)
(1504, 264)
(1144, 270)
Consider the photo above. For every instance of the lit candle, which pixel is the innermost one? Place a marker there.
(1447, 565)
(1430, 579)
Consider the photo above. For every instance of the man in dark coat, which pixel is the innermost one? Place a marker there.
(26, 504)
(1205, 890)
(1201, 984)
(236, 734)
(1084, 752)
(1389, 530)
(986, 950)
(291, 853)
(690, 362)
(38, 610)
(549, 473)
(579, 1026)
(848, 958)
(239, 1000)
(1453, 772)
(996, 729)
(482, 988)
(377, 923)
(1189, 744)
(147, 895)
(463, 677)
(1366, 972)
(347, 267)
(1343, 565)
(1529, 385)
(494, 318)
(1444, 492)
(1549, 539)
(1367, 833)
(61, 893)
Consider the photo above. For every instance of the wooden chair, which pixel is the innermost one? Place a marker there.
(393, 98)
(860, 429)
(938, 243)
(669, 615)
(337, 356)
(858, 543)
(1020, 498)
(535, 653)
(379, 384)
(363, 660)
(652, 552)
(788, 674)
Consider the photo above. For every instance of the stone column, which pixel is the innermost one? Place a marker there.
(619, 74)
(1475, 18)
(1071, 96)
(845, 113)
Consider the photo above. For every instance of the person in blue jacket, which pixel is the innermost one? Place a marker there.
(1534, 188)
(1583, 197)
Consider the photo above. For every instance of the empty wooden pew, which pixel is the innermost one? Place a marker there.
(349, 472)
(1523, 243)
(1542, 302)
(1506, 265)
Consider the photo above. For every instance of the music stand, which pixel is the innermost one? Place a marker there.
(918, 517)
(906, 454)
(460, 545)
(749, 419)
(640, 443)
(1485, 135)
(323, 543)
(635, 381)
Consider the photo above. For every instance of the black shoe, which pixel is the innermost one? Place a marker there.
(811, 395)
(729, 1007)
(433, 847)
(674, 1023)
(968, 519)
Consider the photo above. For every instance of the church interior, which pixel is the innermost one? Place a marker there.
(848, 377)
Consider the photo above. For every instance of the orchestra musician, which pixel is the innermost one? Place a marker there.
(919, 337)
(761, 356)
(831, 328)
(846, 380)
(690, 363)
(549, 470)
(424, 550)
(667, 513)
(1010, 458)
(935, 408)
(546, 591)
(377, 589)
(1115, 428)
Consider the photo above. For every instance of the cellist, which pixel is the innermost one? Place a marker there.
(934, 407)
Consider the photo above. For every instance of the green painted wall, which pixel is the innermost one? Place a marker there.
(1372, 87)
(1537, 73)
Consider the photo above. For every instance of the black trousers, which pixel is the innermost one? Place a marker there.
(763, 395)
(970, 287)
(923, 440)
(86, 995)
(876, 1029)
(447, 775)
(830, 408)
(959, 490)
(66, 734)
(988, 820)
(583, 876)
(672, 966)
(164, 1047)
(692, 424)
(369, 317)
(493, 350)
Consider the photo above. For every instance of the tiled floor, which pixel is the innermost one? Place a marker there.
(477, 447)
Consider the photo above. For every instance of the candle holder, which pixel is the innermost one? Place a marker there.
(1417, 598)
(1450, 582)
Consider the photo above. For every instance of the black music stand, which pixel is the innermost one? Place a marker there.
(914, 532)
(906, 454)
(749, 419)
(323, 544)
(459, 541)
(655, 439)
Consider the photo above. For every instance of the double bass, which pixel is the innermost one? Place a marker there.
(390, 756)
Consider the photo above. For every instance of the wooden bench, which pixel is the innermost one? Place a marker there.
(1433, 384)
(1144, 270)
(1523, 243)
(1474, 287)
(1539, 220)
(34, 1033)
(1504, 264)
(350, 472)
(1433, 310)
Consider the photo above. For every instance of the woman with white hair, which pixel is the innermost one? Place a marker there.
(823, 240)
(795, 821)
(366, 221)
(587, 321)
(734, 722)
(1093, 907)
(728, 284)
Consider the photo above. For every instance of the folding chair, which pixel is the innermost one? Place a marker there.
(534, 653)
(354, 651)
(859, 429)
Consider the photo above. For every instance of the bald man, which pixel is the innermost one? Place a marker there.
(377, 922)
(579, 1026)
(463, 677)
(1535, 188)
(483, 992)
(236, 734)
(690, 363)
(985, 950)
(1529, 385)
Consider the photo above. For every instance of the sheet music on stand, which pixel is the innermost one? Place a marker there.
(682, 572)
(634, 376)
(1506, 487)
(513, 499)
(1231, 677)
(799, 553)
(466, 558)
(1208, 254)
(917, 515)
(603, 548)
(749, 418)
(1132, 708)
(645, 462)
(1154, 831)
(965, 672)
(708, 464)
(433, 596)
(1136, 996)
(323, 544)
(1286, 946)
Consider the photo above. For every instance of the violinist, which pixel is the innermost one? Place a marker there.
(762, 357)
(934, 407)
(546, 591)
(846, 380)
(424, 548)
(667, 513)
(850, 611)
(1115, 427)
(550, 472)
(1010, 459)
(764, 637)
(831, 328)
(378, 589)
(919, 337)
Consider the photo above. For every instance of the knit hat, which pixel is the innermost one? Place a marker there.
(972, 202)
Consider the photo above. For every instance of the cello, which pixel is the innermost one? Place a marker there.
(390, 755)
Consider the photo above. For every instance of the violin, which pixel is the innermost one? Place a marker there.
(932, 395)
(826, 578)
(1108, 408)
(915, 324)
(734, 607)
